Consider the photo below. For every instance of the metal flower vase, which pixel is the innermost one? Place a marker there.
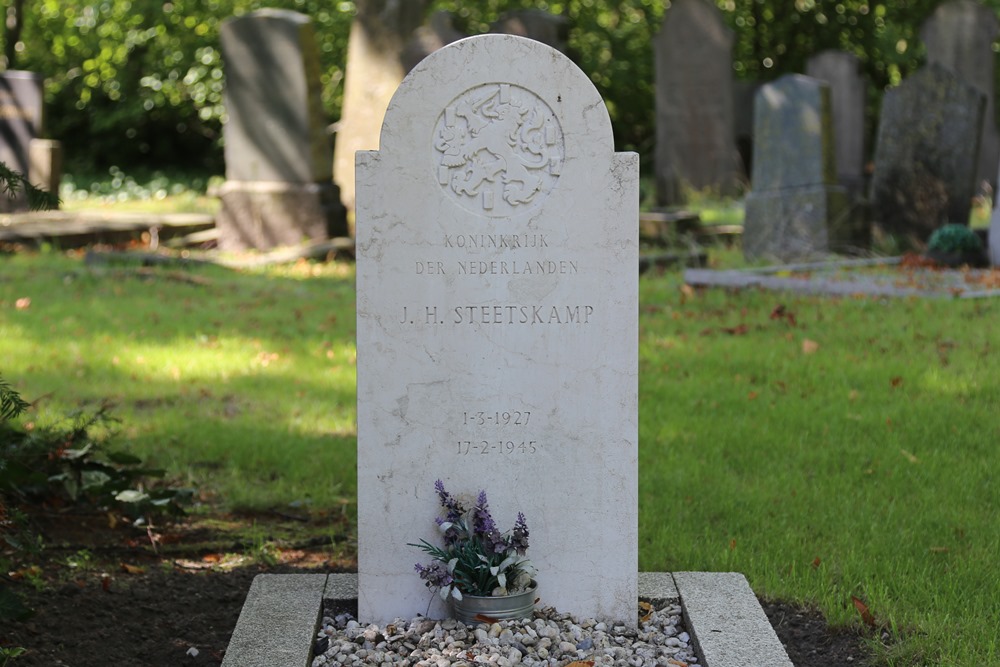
(473, 609)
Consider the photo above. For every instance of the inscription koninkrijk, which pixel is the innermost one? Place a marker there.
(487, 241)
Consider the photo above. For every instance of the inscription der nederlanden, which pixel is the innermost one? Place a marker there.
(498, 267)
(501, 268)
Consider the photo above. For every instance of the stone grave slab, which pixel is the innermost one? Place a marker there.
(926, 155)
(695, 144)
(279, 188)
(497, 245)
(796, 209)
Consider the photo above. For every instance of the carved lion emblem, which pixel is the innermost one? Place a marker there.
(501, 149)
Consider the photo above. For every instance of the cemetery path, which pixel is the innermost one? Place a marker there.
(102, 597)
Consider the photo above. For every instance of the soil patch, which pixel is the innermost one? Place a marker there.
(101, 596)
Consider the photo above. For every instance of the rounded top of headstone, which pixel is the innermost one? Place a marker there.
(496, 120)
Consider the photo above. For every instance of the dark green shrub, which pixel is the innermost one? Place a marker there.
(954, 239)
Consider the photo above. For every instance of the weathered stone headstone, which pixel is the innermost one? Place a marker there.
(535, 24)
(695, 148)
(847, 92)
(744, 93)
(437, 33)
(279, 188)
(993, 236)
(795, 209)
(20, 122)
(959, 35)
(926, 155)
(377, 61)
(497, 237)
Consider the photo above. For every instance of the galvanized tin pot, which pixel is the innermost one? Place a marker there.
(521, 605)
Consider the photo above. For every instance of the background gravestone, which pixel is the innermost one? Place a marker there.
(535, 24)
(379, 53)
(279, 188)
(497, 325)
(20, 123)
(695, 147)
(840, 70)
(993, 236)
(959, 35)
(795, 209)
(744, 93)
(926, 155)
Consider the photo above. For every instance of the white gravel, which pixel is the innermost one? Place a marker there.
(550, 638)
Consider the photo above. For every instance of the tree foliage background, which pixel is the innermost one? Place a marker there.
(140, 81)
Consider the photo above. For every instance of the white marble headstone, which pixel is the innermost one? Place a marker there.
(497, 243)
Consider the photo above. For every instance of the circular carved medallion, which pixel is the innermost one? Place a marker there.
(499, 150)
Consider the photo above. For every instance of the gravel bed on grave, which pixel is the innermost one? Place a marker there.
(550, 638)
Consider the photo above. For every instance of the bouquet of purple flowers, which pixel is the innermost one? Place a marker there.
(476, 559)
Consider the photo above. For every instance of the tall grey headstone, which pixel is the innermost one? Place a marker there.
(993, 236)
(536, 24)
(377, 60)
(279, 188)
(744, 93)
(847, 91)
(926, 155)
(21, 116)
(695, 147)
(959, 35)
(796, 209)
(497, 235)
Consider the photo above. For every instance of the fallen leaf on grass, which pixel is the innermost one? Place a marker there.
(909, 457)
(781, 313)
(809, 346)
(752, 395)
(939, 550)
(23, 303)
(866, 614)
(816, 563)
(896, 381)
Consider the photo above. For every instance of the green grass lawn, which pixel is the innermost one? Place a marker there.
(827, 449)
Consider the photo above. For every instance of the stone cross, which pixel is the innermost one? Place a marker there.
(497, 235)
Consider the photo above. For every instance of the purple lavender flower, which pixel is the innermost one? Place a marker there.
(483, 520)
(434, 576)
(519, 536)
(454, 509)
